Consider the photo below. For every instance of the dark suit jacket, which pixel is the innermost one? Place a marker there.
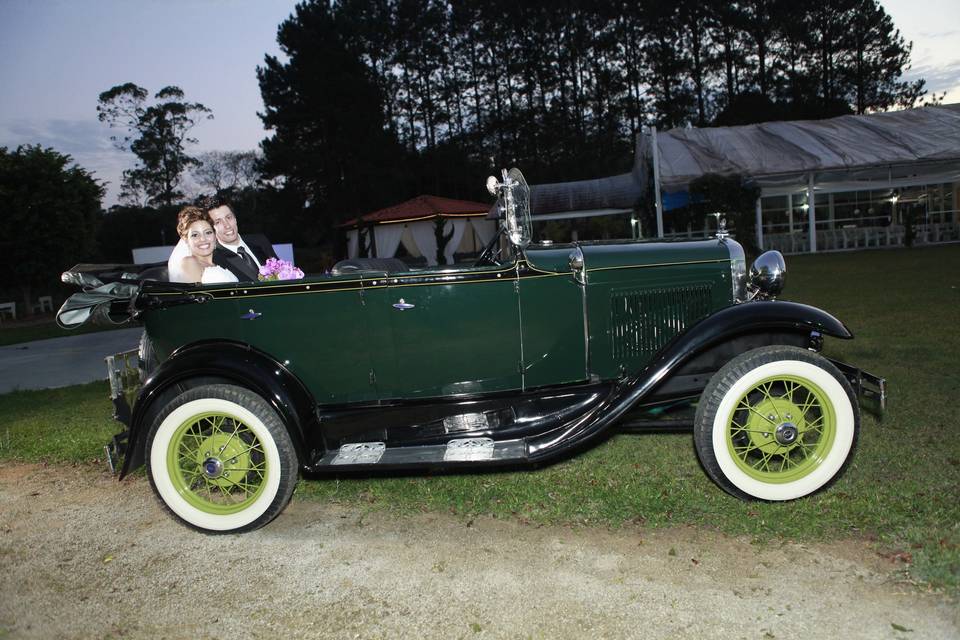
(230, 261)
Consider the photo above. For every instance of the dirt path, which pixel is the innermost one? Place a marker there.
(83, 556)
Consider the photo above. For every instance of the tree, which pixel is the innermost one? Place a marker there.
(877, 57)
(227, 170)
(330, 141)
(157, 134)
(731, 196)
(49, 210)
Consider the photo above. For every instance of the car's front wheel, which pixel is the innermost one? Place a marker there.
(776, 423)
(220, 459)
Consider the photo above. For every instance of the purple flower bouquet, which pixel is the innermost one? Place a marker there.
(277, 269)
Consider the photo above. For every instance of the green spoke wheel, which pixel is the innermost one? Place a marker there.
(221, 460)
(217, 463)
(776, 423)
(781, 429)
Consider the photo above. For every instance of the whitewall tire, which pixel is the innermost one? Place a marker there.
(776, 423)
(220, 459)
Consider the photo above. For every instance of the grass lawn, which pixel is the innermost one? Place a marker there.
(902, 491)
(15, 333)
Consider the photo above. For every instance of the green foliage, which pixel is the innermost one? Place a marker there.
(157, 134)
(125, 227)
(442, 237)
(330, 142)
(728, 195)
(49, 209)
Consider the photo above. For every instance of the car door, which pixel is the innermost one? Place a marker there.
(554, 325)
(454, 332)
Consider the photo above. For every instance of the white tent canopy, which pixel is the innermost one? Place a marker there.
(846, 154)
(785, 154)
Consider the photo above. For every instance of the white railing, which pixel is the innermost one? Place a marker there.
(851, 238)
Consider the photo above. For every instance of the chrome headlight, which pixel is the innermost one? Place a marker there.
(738, 270)
(768, 274)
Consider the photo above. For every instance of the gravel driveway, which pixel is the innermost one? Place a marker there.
(84, 556)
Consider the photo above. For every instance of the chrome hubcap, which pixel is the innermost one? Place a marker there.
(212, 467)
(786, 433)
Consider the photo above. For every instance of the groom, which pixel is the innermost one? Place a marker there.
(241, 256)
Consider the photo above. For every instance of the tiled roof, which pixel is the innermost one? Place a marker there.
(423, 208)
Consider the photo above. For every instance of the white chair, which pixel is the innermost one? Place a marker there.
(8, 307)
(44, 303)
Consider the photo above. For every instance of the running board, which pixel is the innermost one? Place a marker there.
(459, 452)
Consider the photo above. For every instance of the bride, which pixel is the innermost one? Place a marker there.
(197, 233)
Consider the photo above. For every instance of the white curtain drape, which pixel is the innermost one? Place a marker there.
(459, 226)
(425, 239)
(353, 243)
(484, 228)
(387, 237)
(407, 240)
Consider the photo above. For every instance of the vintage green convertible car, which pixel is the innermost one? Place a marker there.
(535, 351)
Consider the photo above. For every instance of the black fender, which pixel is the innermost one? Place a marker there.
(222, 361)
(759, 317)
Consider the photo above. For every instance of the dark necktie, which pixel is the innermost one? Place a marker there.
(245, 258)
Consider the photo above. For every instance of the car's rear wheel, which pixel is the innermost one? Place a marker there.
(220, 459)
(776, 423)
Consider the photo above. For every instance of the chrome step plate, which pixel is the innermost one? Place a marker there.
(469, 449)
(360, 453)
(466, 422)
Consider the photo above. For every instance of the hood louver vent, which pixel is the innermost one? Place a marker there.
(642, 321)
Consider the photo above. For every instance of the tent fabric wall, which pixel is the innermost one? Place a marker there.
(484, 229)
(387, 238)
(459, 226)
(353, 243)
(425, 239)
(419, 238)
(409, 243)
(785, 152)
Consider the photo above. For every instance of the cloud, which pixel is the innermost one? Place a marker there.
(939, 77)
(86, 141)
(66, 136)
(941, 34)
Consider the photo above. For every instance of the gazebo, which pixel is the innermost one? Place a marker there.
(414, 224)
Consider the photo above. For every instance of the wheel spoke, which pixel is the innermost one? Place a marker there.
(752, 409)
(236, 429)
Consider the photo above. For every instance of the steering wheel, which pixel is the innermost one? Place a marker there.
(491, 253)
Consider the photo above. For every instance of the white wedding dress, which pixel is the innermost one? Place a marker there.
(211, 275)
(217, 275)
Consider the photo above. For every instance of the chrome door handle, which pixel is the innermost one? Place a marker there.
(403, 305)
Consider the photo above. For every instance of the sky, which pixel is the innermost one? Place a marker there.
(59, 55)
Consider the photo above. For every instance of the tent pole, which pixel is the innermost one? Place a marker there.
(790, 212)
(656, 181)
(759, 223)
(812, 212)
